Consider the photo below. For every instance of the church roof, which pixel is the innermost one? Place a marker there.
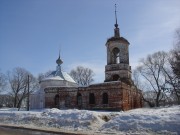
(60, 76)
(118, 39)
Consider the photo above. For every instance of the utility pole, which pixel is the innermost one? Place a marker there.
(28, 96)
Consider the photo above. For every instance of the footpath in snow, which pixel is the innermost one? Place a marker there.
(144, 121)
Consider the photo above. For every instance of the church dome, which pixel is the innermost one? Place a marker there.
(58, 78)
(59, 61)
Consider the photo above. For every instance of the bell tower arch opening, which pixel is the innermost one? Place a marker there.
(115, 77)
(116, 56)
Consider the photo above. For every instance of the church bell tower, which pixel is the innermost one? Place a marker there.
(117, 68)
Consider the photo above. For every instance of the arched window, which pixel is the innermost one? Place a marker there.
(67, 101)
(116, 56)
(91, 98)
(105, 98)
(56, 100)
(79, 99)
(115, 77)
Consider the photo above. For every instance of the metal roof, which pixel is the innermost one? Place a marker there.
(59, 76)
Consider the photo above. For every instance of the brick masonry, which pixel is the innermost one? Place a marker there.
(120, 97)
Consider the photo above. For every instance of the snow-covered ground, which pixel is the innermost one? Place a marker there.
(144, 121)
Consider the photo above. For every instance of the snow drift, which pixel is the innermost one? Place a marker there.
(139, 121)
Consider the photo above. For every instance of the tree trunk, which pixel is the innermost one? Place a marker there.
(20, 101)
(19, 104)
(149, 102)
(157, 99)
(178, 98)
(15, 100)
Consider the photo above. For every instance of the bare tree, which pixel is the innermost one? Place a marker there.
(152, 71)
(147, 96)
(173, 71)
(18, 80)
(137, 79)
(41, 76)
(175, 63)
(161, 76)
(83, 76)
(3, 82)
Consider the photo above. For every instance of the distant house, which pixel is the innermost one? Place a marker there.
(6, 100)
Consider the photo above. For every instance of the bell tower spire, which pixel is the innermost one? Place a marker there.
(116, 30)
(116, 25)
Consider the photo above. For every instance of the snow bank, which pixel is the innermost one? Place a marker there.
(162, 120)
(71, 119)
(138, 121)
(68, 119)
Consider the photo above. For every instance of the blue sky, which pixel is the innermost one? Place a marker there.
(32, 31)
